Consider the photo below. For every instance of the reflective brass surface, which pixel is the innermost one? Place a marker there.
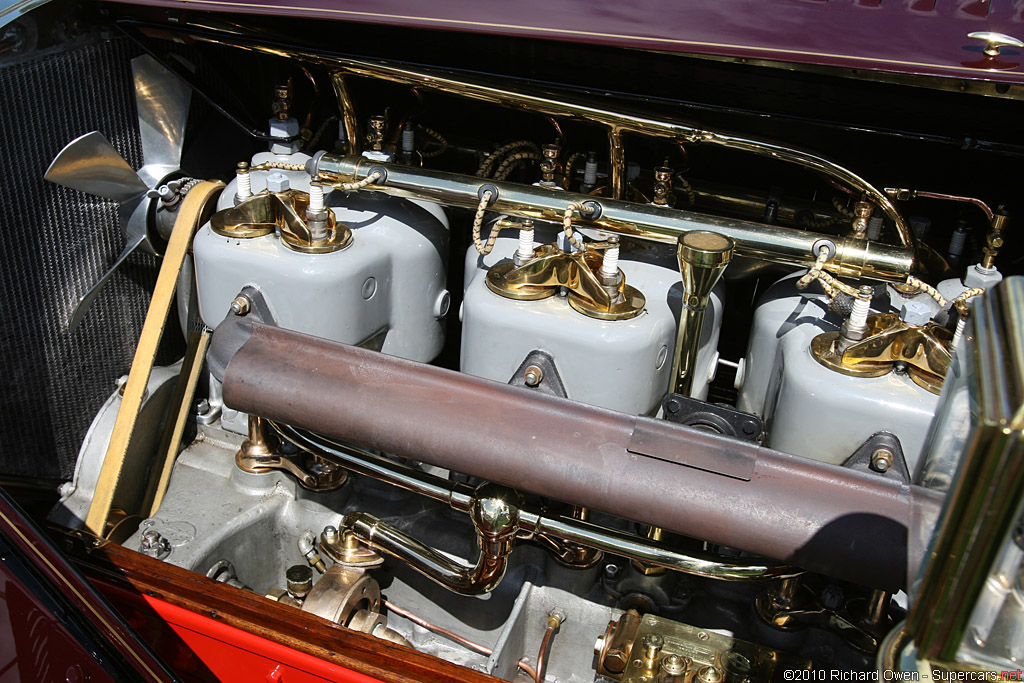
(258, 455)
(495, 514)
(984, 503)
(533, 525)
(266, 212)
(703, 257)
(617, 123)
(925, 349)
(346, 549)
(341, 594)
(551, 268)
(853, 257)
(638, 649)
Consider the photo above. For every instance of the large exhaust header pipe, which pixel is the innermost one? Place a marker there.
(846, 524)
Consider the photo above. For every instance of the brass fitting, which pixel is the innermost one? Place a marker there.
(549, 166)
(653, 642)
(926, 350)
(282, 101)
(579, 272)
(862, 214)
(495, 514)
(258, 455)
(375, 138)
(994, 240)
(663, 195)
(702, 257)
(287, 212)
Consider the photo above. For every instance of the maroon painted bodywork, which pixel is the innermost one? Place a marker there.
(906, 36)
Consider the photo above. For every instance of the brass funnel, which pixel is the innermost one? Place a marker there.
(703, 257)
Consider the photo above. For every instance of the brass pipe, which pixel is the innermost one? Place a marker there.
(619, 122)
(703, 257)
(495, 514)
(904, 194)
(853, 257)
(617, 162)
(556, 104)
(532, 524)
(348, 115)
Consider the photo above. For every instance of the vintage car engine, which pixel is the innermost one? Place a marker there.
(549, 382)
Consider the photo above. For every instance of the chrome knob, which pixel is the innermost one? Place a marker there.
(994, 41)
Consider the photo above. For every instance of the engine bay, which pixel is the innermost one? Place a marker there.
(543, 376)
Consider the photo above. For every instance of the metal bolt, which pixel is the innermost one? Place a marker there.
(241, 305)
(533, 376)
(154, 545)
(881, 460)
(611, 570)
(701, 635)
(330, 534)
(351, 541)
(653, 643)
(202, 407)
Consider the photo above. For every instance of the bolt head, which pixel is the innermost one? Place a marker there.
(278, 182)
(915, 312)
(653, 640)
(533, 376)
(241, 305)
(881, 460)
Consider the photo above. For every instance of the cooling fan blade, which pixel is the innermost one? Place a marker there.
(90, 164)
(162, 100)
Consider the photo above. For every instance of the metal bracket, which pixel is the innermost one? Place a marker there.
(721, 419)
(538, 373)
(881, 454)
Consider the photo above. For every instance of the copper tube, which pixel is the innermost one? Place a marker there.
(822, 517)
(904, 194)
(543, 654)
(461, 640)
(853, 257)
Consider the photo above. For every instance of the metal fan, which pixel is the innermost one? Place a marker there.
(147, 197)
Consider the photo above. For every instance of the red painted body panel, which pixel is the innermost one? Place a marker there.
(200, 648)
(907, 36)
(34, 645)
